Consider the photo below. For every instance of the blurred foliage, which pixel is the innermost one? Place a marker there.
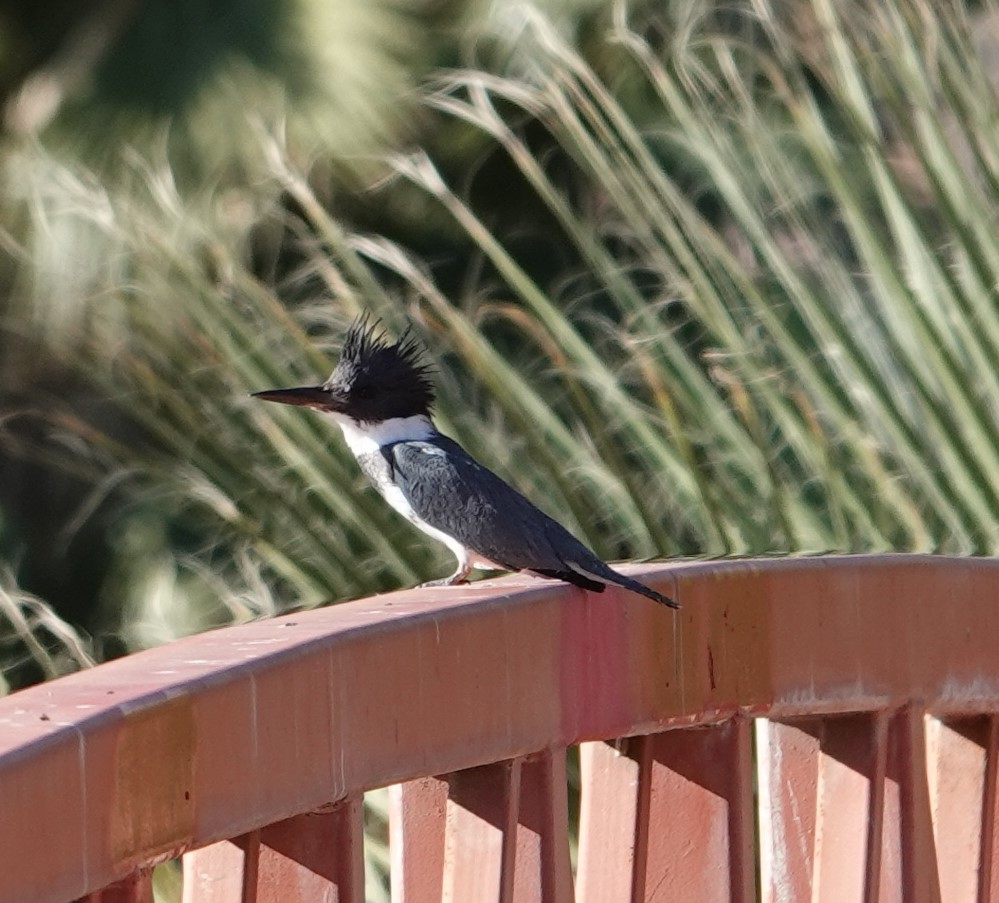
(186, 75)
(701, 279)
(724, 279)
(99, 102)
(34, 640)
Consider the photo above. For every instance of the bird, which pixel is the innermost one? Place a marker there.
(381, 395)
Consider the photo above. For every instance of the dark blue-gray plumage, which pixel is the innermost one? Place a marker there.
(381, 396)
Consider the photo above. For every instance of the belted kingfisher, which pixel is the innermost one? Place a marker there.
(381, 395)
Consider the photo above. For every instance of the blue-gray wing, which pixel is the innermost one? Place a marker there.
(451, 491)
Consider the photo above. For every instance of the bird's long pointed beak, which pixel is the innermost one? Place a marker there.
(304, 396)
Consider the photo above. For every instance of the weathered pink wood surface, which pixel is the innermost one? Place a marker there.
(878, 678)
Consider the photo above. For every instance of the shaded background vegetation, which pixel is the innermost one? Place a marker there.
(722, 275)
(702, 279)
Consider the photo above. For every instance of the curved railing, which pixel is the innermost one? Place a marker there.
(803, 729)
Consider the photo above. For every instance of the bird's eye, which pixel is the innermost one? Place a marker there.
(363, 392)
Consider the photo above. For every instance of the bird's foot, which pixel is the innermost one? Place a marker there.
(457, 578)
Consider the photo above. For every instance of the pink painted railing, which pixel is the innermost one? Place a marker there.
(809, 729)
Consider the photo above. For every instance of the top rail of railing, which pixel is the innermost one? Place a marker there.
(212, 736)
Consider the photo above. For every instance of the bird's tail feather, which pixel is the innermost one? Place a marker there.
(607, 573)
(644, 590)
(594, 580)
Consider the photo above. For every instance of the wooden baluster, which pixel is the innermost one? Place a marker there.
(481, 833)
(136, 888)
(542, 871)
(315, 856)
(957, 755)
(988, 873)
(669, 817)
(417, 816)
(224, 872)
(908, 863)
(815, 791)
(613, 782)
(499, 832)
